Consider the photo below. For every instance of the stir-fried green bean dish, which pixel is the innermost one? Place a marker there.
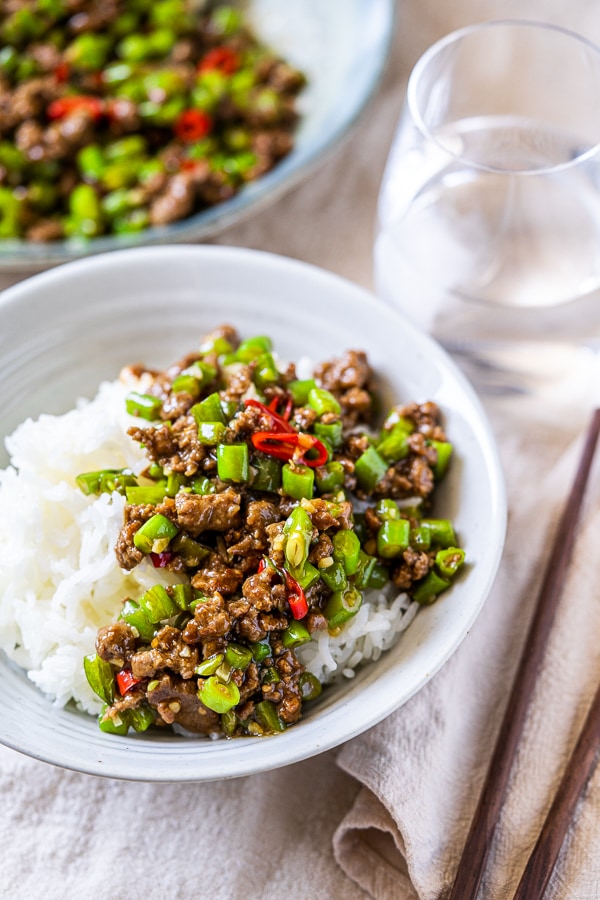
(276, 507)
(116, 115)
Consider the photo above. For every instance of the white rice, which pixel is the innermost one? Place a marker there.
(59, 577)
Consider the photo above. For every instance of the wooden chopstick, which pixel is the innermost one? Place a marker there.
(579, 770)
(473, 860)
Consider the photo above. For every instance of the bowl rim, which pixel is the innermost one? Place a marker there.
(333, 728)
(22, 256)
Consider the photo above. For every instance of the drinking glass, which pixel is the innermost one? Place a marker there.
(489, 209)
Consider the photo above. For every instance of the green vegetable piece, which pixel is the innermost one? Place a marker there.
(100, 677)
(379, 576)
(334, 577)
(10, 214)
(145, 406)
(441, 531)
(342, 606)
(203, 486)
(295, 635)
(310, 686)
(88, 51)
(157, 604)
(186, 384)
(229, 722)
(155, 534)
(141, 718)
(393, 537)
(297, 481)
(175, 481)
(266, 715)
(323, 401)
(237, 656)
(449, 560)
(133, 614)
(220, 696)
(134, 48)
(393, 444)
(226, 21)
(370, 468)
(330, 477)
(183, 595)
(116, 73)
(260, 650)
(90, 162)
(125, 148)
(429, 588)
(306, 576)
(265, 371)
(387, 510)
(209, 665)
(211, 432)
(218, 345)
(190, 550)
(139, 495)
(265, 474)
(232, 462)
(346, 549)
(253, 347)
(161, 41)
(118, 724)
(300, 389)
(209, 410)
(270, 676)
(298, 530)
(105, 481)
(332, 432)
(84, 206)
(420, 538)
(444, 454)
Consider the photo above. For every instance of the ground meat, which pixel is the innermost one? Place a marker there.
(128, 555)
(210, 512)
(411, 477)
(264, 590)
(348, 379)
(253, 538)
(215, 575)
(326, 515)
(211, 619)
(116, 643)
(167, 651)
(176, 700)
(159, 443)
(175, 203)
(414, 566)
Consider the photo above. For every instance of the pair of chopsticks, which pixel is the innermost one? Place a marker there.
(581, 764)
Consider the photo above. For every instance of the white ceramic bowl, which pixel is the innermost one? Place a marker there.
(69, 328)
(342, 47)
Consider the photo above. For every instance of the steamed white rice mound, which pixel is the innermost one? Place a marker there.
(59, 577)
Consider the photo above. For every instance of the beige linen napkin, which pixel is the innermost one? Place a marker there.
(423, 768)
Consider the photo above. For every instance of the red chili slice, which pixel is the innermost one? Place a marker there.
(66, 106)
(192, 125)
(280, 424)
(61, 72)
(220, 59)
(289, 406)
(296, 597)
(160, 560)
(126, 681)
(288, 446)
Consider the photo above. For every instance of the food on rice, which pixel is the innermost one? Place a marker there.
(207, 546)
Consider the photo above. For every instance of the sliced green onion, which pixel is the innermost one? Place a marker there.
(218, 695)
(100, 677)
(298, 481)
(346, 550)
(266, 715)
(310, 686)
(145, 406)
(342, 606)
(157, 604)
(295, 635)
(229, 722)
(133, 614)
(298, 529)
(393, 537)
(233, 462)
(323, 401)
(237, 656)
(209, 665)
(370, 468)
(116, 725)
(449, 561)
(300, 389)
(140, 495)
(428, 590)
(155, 534)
